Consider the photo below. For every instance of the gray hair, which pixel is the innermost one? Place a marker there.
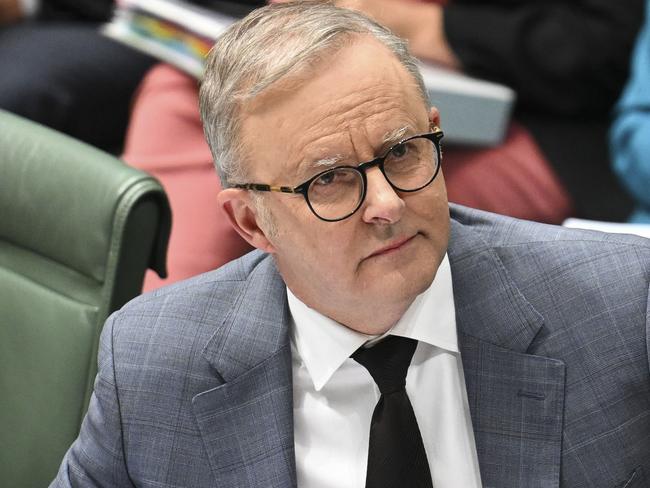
(270, 43)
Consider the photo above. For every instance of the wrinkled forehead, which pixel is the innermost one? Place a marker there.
(355, 95)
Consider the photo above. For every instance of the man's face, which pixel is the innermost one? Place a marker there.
(363, 271)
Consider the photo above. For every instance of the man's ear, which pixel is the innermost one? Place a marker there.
(239, 208)
(434, 117)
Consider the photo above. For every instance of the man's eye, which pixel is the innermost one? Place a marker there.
(399, 151)
(326, 179)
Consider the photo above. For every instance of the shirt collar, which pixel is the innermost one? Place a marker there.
(324, 344)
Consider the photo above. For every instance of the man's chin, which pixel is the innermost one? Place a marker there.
(401, 287)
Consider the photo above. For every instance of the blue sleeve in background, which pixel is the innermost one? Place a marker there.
(630, 134)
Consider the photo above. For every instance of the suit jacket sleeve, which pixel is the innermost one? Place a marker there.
(96, 459)
(565, 57)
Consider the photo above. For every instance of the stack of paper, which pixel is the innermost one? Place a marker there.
(176, 32)
(473, 111)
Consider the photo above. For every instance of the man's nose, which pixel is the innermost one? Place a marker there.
(382, 205)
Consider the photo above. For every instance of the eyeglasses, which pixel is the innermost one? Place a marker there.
(336, 193)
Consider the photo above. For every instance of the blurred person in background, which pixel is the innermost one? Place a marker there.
(59, 70)
(630, 135)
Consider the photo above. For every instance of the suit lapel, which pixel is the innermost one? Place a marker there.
(247, 422)
(516, 399)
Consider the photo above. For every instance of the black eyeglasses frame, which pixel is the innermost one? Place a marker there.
(435, 136)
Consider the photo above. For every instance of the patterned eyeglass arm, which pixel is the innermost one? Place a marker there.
(261, 187)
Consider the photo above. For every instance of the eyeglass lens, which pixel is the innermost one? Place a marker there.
(408, 166)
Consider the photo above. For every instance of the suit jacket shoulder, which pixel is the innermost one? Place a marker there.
(568, 275)
(161, 413)
(186, 314)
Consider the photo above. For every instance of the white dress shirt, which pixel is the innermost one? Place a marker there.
(334, 396)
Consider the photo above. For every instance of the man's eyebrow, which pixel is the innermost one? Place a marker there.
(309, 166)
(327, 162)
(392, 137)
(396, 135)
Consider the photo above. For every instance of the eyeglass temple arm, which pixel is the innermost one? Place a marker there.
(260, 187)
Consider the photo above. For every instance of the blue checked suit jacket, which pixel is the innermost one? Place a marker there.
(194, 385)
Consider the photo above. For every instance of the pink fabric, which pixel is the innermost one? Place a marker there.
(165, 138)
(511, 179)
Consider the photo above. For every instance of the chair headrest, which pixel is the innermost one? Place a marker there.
(61, 198)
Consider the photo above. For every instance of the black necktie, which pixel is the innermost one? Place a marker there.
(396, 456)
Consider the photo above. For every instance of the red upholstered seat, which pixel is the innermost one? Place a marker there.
(512, 179)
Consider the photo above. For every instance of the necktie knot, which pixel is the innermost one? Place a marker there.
(388, 362)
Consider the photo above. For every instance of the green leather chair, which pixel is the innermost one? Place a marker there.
(78, 229)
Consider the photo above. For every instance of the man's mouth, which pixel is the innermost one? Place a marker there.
(392, 247)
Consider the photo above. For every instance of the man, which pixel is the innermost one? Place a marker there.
(531, 362)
